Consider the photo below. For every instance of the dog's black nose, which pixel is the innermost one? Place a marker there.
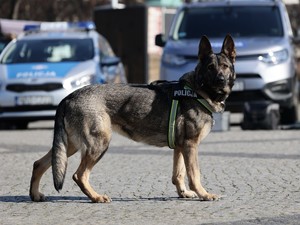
(220, 79)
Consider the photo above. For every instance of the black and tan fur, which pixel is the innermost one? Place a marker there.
(85, 120)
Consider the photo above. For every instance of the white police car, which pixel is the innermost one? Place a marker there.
(46, 63)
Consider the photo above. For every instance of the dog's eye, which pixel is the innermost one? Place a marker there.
(211, 67)
(225, 66)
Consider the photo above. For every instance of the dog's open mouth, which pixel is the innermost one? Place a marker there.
(220, 86)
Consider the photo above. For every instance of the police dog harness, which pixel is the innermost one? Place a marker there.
(180, 92)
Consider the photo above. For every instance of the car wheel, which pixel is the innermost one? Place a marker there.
(289, 115)
(21, 125)
(4, 126)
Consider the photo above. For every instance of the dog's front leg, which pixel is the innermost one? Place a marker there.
(190, 154)
(179, 173)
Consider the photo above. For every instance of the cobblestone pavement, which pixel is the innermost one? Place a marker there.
(256, 172)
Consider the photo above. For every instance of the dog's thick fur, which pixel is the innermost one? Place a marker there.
(85, 120)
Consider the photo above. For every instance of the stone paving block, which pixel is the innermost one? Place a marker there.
(256, 172)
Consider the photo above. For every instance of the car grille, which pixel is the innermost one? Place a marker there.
(244, 96)
(247, 57)
(34, 87)
(236, 100)
(27, 108)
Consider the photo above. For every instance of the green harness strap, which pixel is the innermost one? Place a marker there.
(173, 114)
(172, 118)
(202, 101)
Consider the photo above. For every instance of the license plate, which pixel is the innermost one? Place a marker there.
(33, 100)
(238, 86)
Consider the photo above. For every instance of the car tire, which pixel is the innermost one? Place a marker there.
(21, 125)
(289, 115)
(4, 126)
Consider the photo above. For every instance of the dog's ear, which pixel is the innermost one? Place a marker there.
(228, 48)
(205, 48)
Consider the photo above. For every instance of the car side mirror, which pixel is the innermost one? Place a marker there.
(160, 40)
(110, 61)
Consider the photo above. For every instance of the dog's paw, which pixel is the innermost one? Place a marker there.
(210, 197)
(188, 194)
(38, 197)
(101, 199)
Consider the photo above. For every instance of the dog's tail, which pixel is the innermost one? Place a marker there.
(59, 148)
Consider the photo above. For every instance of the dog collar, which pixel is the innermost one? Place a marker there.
(173, 113)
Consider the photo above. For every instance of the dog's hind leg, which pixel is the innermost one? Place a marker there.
(97, 141)
(179, 173)
(81, 177)
(39, 168)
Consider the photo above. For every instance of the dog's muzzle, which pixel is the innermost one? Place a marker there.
(220, 80)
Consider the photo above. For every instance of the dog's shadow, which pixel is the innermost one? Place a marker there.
(26, 199)
(78, 199)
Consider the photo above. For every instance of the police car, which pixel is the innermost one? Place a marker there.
(46, 63)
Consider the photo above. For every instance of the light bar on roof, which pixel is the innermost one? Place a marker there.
(45, 26)
(52, 26)
(31, 27)
(88, 25)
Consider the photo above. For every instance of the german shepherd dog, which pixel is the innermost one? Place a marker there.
(85, 119)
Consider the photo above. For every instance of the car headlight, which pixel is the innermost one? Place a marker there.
(174, 60)
(274, 57)
(113, 74)
(79, 82)
(110, 73)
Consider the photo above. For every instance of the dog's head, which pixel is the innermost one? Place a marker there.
(215, 73)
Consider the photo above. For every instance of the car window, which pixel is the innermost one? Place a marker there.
(60, 50)
(239, 21)
(105, 48)
(3, 43)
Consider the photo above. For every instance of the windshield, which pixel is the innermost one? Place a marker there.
(3, 43)
(239, 21)
(60, 50)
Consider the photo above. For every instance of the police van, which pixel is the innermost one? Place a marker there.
(47, 62)
(265, 65)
